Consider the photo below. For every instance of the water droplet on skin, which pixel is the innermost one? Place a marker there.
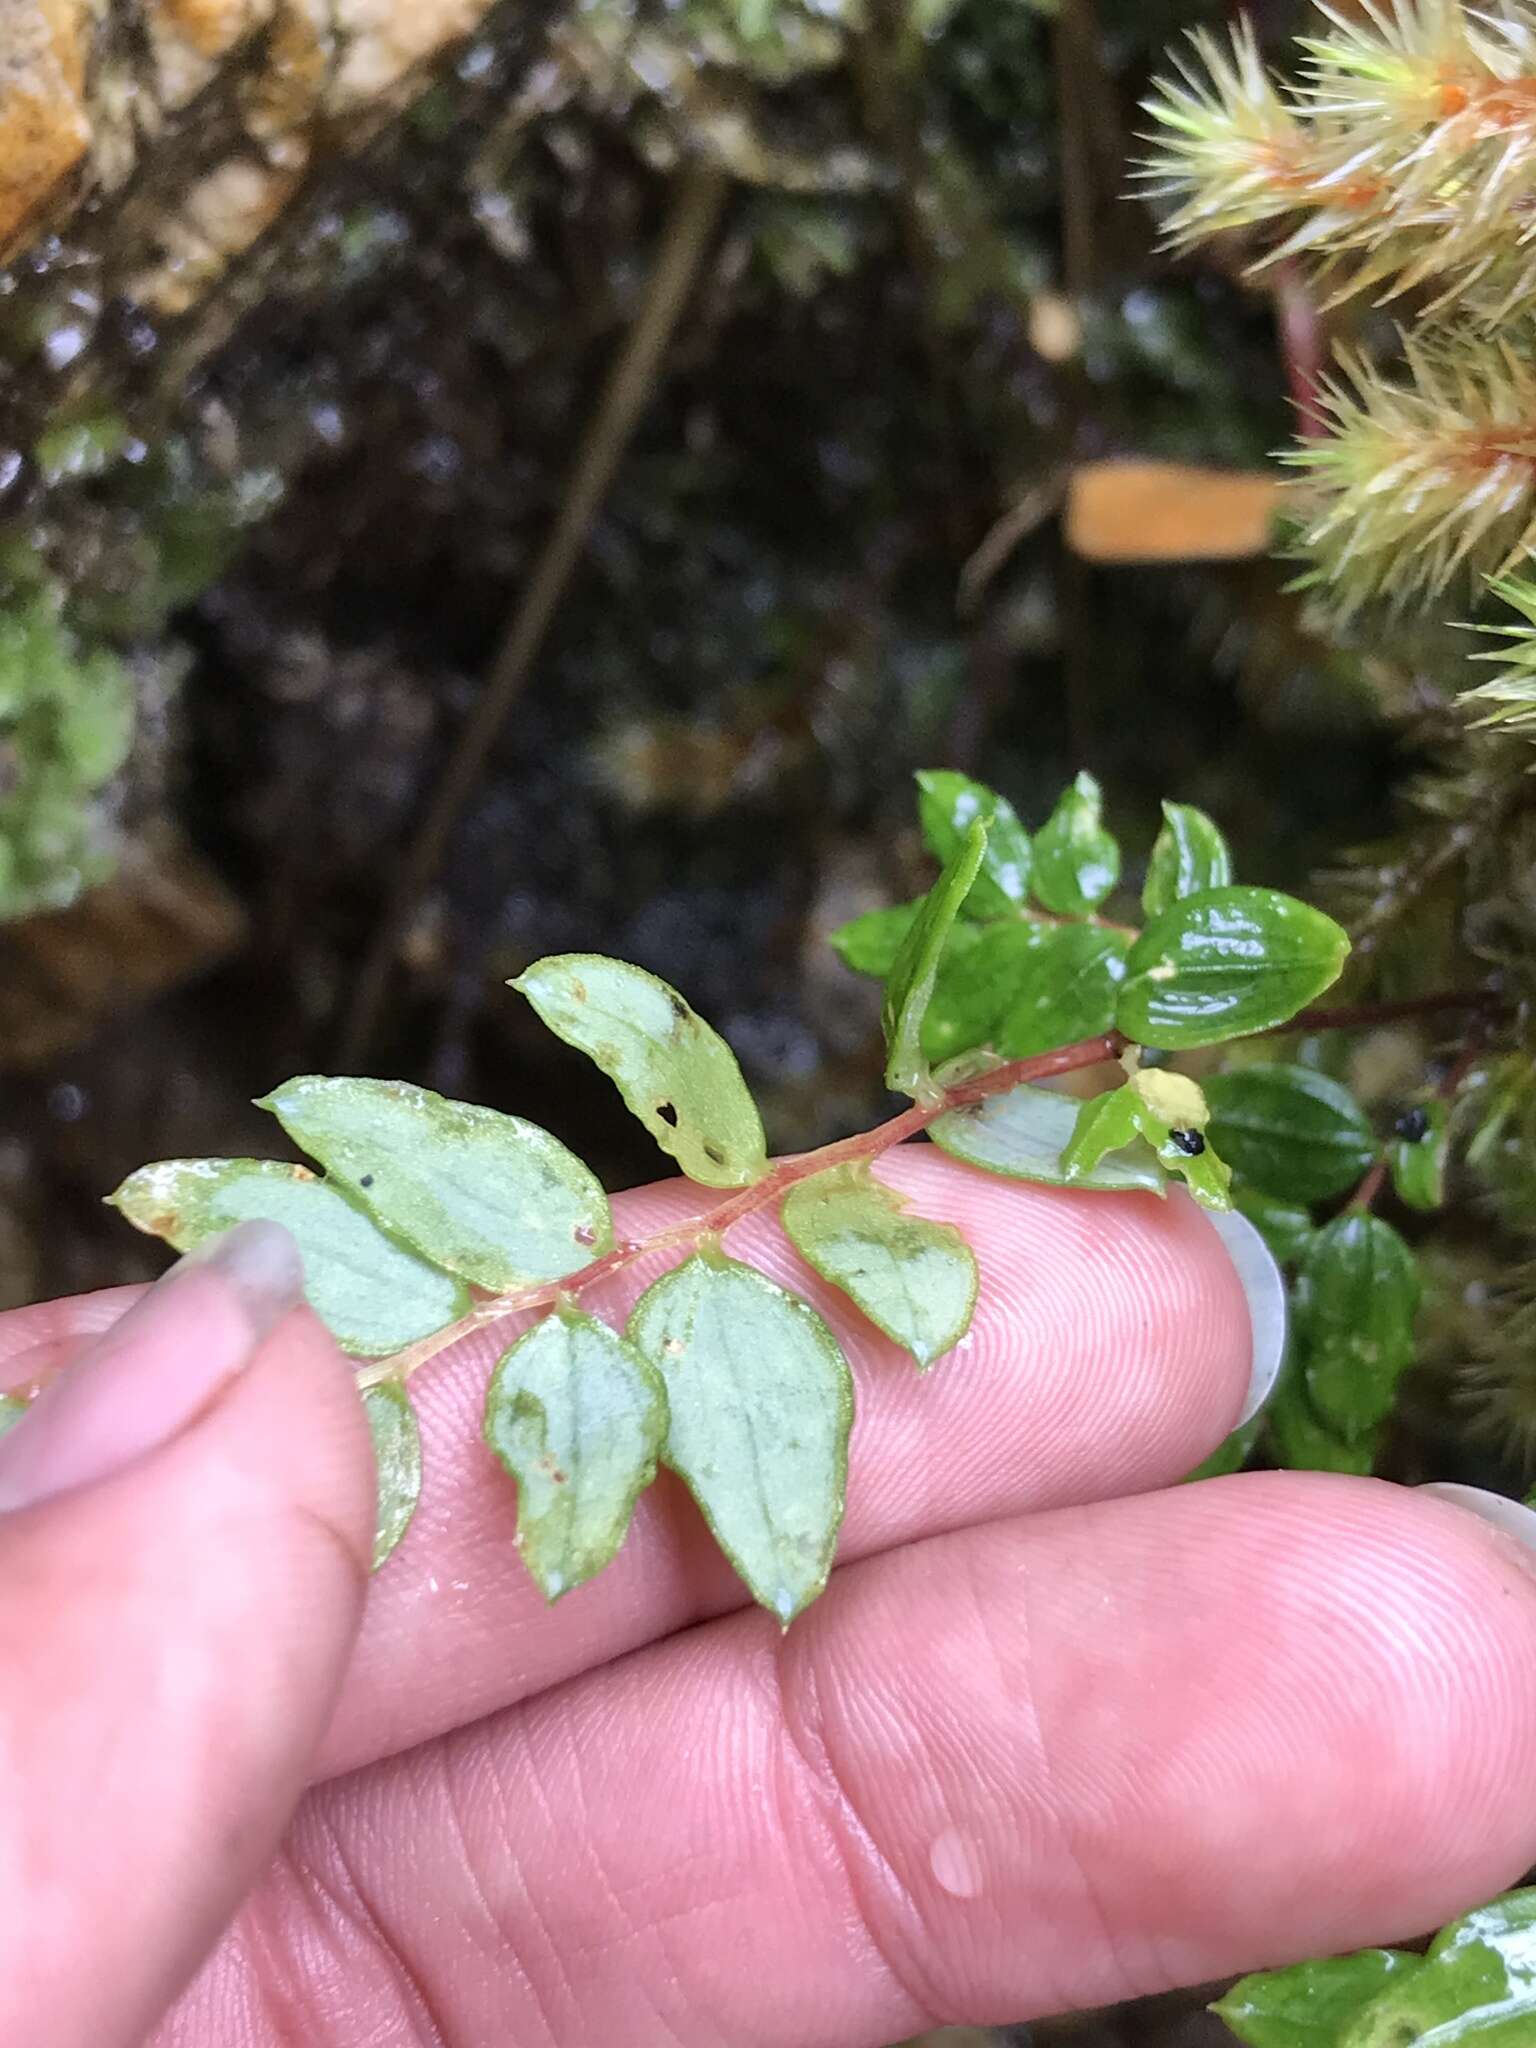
(955, 1861)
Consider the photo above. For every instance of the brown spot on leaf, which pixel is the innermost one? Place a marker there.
(585, 1234)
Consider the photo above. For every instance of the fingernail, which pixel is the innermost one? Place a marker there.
(158, 1367)
(1264, 1285)
(1496, 1509)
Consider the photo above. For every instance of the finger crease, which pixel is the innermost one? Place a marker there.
(865, 1867)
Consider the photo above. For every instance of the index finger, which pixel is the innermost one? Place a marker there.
(1110, 1353)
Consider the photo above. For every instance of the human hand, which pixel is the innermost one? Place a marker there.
(1054, 1736)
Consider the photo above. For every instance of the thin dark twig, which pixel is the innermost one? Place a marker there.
(690, 224)
(1362, 1016)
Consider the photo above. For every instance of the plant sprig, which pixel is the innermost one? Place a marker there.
(435, 1219)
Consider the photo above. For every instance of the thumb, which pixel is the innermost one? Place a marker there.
(185, 1525)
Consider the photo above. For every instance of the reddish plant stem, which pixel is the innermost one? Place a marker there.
(686, 1235)
(1360, 1015)
(1369, 1188)
(1087, 1052)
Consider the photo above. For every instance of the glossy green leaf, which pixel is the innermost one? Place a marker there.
(1231, 1455)
(1417, 1155)
(948, 805)
(978, 970)
(1291, 1131)
(1302, 1442)
(1226, 962)
(676, 1074)
(1356, 1299)
(761, 1404)
(12, 1409)
(1189, 856)
(869, 944)
(1285, 1227)
(1021, 1135)
(909, 987)
(1022, 988)
(1066, 990)
(914, 1279)
(487, 1196)
(372, 1293)
(1306, 2005)
(1475, 1988)
(578, 1416)
(1077, 862)
(397, 1463)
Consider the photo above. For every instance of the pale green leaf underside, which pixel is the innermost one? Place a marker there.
(487, 1196)
(675, 1072)
(914, 1279)
(578, 1417)
(1475, 1988)
(1022, 1135)
(397, 1462)
(761, 1403)
(373, 1294)
(1306, 2005)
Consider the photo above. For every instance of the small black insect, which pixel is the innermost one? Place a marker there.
(366, 1181)
(1412, 1125)
(1190, 1143)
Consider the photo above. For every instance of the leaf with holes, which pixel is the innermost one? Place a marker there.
(948, 805)
(761, 1403)
(1227, 962)
(1021, 1136)
(909, 987)
(914, 1279)
(1077, 862)
(1291, 1131)
(397, 1463)
(372, 1293)
(1190, 855)
(487, 1196)
(1306, 2005)
(675, 1073)
(578, 1417)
